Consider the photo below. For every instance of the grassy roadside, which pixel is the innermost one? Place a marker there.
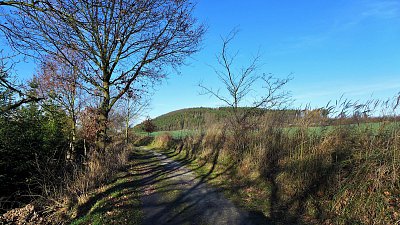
(115, 203)
(175, 133)
(338, 176)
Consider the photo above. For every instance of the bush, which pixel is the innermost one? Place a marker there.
(143, 140)
(33, 166)
(31, 141)
(163, 141)
(78, 182)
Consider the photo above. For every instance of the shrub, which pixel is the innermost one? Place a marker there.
(191, 145)
(143, 140)
(60, 199)
(31, 141)
(163, 141)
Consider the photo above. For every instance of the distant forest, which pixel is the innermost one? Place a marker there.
(202, 118)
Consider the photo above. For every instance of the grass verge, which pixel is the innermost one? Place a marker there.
(115, 203)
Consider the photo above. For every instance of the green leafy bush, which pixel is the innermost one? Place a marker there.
(30, 141)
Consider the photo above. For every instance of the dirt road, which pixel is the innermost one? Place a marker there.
(173, 194)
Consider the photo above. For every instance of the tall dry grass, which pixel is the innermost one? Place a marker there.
(163, 141)
(339, 174)
(62, 195)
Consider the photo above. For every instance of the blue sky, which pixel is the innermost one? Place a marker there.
(330, 47)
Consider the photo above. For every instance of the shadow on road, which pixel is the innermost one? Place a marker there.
(169, 193)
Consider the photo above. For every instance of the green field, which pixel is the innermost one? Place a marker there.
(175, 133)
(374, 127)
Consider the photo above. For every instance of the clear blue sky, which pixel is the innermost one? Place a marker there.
(331, 47)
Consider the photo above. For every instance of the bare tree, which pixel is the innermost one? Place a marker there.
(133, 106)
(241, 95)
(60, 82)
(122, 41)
(240, 85)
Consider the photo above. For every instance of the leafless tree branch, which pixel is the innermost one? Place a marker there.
(240, 83)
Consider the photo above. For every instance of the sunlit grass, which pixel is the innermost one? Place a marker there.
(334, 174)
(117, 203)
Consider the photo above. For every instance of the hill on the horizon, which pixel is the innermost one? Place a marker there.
(198, 118)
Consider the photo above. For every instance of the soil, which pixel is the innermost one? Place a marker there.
(27, 215)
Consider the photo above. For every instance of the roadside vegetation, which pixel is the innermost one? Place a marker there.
(115, 202)
(35, 145)
(340, 175)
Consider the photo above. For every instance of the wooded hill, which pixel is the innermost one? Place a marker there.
(201, 118)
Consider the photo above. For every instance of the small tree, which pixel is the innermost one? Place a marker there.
(89, 126)
(148, 126)
(60, 82)
(240, 93)
(133, 107)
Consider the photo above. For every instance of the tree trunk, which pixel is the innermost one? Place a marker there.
(101, 135)
(101, 139)
(84, 148)
(73, 139)
(127, 130)
(71, 154)
(127, 123)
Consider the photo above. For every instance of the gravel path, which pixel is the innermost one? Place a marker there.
(176, 196)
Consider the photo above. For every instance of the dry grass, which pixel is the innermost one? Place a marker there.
(142, 140)
(62, 196)
(319, 170)
(341, 175)
(163, 141)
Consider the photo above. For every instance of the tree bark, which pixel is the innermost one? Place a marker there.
(73, 138)
(101, 136)
(104, 110)
(127, 124)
